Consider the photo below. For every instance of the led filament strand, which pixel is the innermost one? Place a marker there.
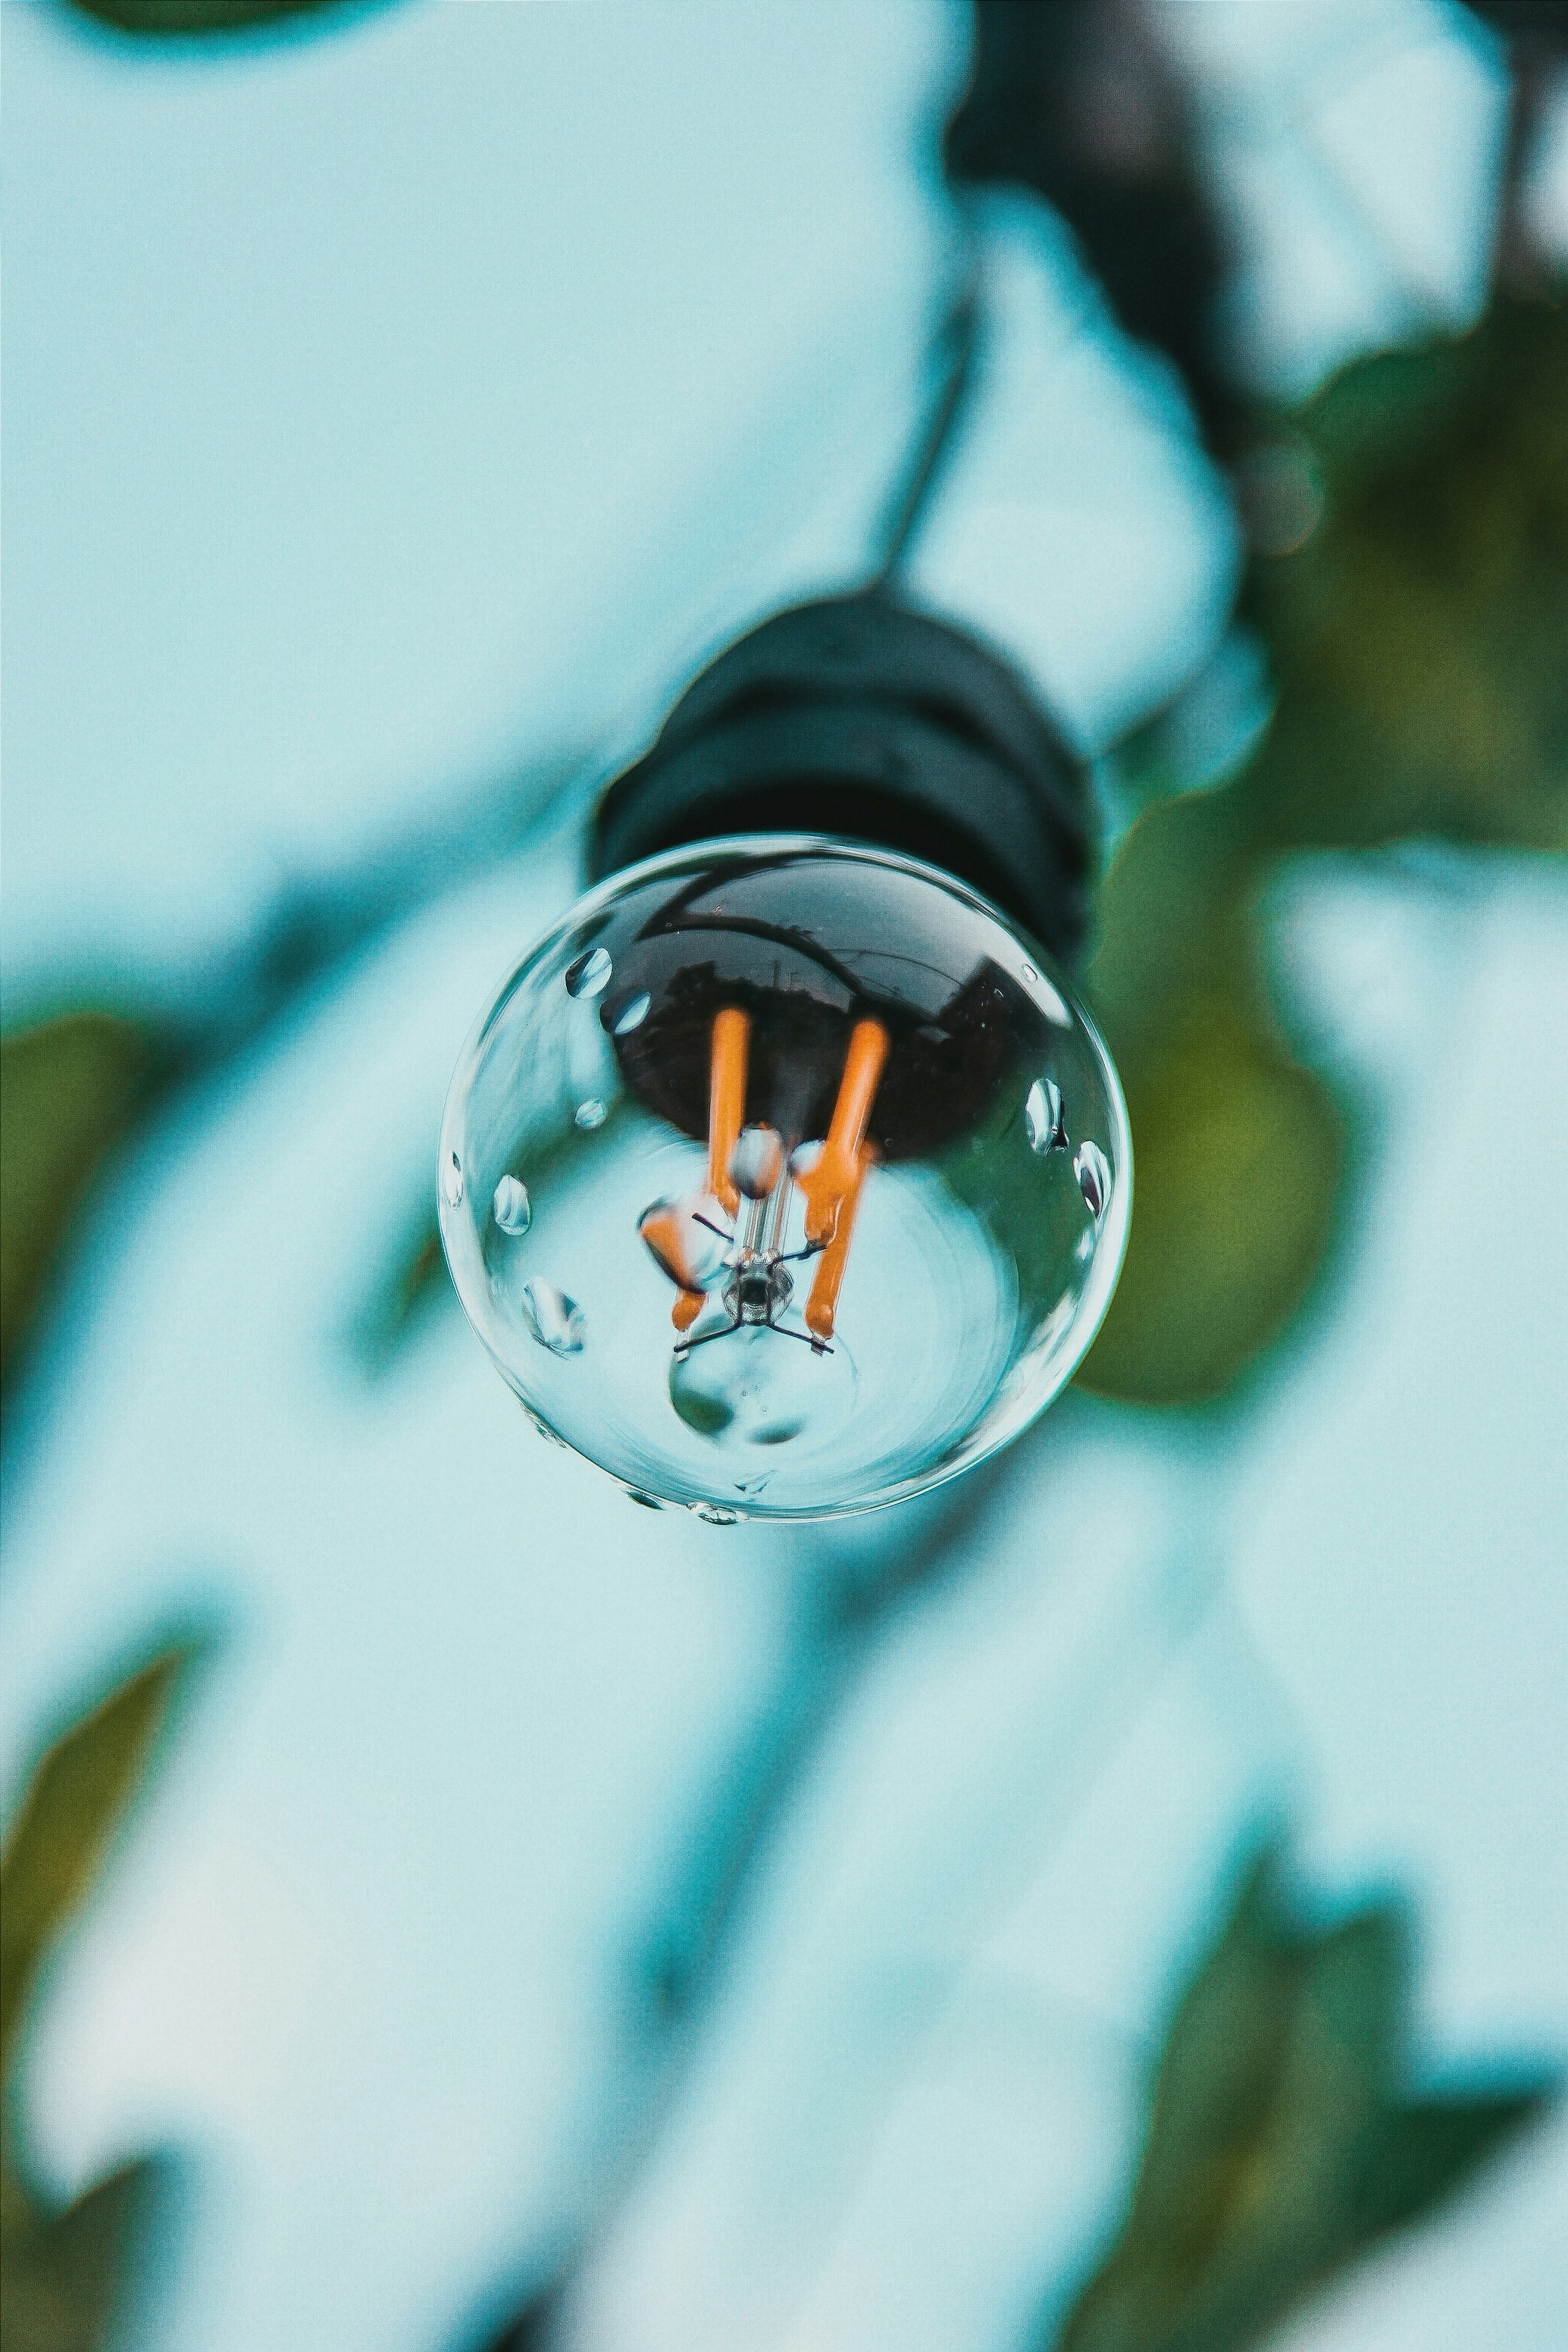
(730, 1054)
(752, 1164)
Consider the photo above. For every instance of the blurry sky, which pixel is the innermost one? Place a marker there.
(411, 406)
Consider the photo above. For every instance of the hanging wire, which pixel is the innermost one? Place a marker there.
(952, 369)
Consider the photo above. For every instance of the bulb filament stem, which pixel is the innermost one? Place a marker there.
(836, 1178)
(823, 1305)
(760, 1286)
(727, 1059)
(729, 1054)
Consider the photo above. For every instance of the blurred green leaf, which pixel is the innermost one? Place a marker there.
(1417, 639)
(1419, 636)
(69, 1813)
(1238, 1152)
(415, 1283)
(1423, 2151)
(1280, 2145)
(530, 2329)
(69, 1088)
(63, 2269)
(180, 19)
(60, 2270)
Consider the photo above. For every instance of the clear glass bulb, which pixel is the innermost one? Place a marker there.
(784, 1178)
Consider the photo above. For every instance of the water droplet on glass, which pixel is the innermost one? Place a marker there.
(757, 1163)
(753, 1386)
(1030, 972)
(591, 1113)
(648, 1502)
(714, 1514)
(589, 975)
(512, 1209)
(451, 1181)
(632, 1014)
(682, 1239)
(1042, 1117)
(1092, 1170)
(556, 1321)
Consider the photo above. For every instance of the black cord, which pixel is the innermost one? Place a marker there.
(953, 354)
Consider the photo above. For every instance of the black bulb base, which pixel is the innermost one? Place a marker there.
(864, 720)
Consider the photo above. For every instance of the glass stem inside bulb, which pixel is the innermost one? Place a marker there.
(760, 1286)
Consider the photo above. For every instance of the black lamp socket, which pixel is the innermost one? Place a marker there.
(861, 718)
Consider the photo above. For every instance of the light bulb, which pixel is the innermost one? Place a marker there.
(785, 1177)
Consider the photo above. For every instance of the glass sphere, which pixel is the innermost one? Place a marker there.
(784, 1178)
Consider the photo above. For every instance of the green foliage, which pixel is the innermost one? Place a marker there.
(184, 19)
(69, 1088)
(1283, 2143)
(1419, 642)
(73, 1803)
(413, 1286)
(1419, 636)
(1238, 1152)
(60, 2267)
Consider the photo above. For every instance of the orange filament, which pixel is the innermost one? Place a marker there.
(727, 1061)
(832, 1189)
(823, 1303)
(727, 1101)
(664, 1229)
(831, 1186)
